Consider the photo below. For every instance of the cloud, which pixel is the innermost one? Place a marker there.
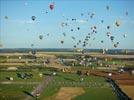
(25, 21)
(22, 21)
(130, 21)
(81, 21)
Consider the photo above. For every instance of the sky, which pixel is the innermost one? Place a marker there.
(20, 31)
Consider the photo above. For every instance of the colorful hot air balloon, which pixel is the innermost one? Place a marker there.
(117, 23)
(51, 6)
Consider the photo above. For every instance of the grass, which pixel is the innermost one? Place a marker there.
(97, 94)
(14, 92)
(73, 80)
(92, 92)
(49, 91)
(4, 74)
(119, 62)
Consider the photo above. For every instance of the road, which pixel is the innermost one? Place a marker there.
(39, 89)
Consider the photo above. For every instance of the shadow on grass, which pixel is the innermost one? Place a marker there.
(29, 94)
(47, 74)
(69, 79)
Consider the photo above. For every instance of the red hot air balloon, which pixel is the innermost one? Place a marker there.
(51, 6)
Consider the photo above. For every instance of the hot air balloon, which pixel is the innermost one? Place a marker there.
(112, 38)
(73, 37)
(6, 17)
(117, 23)
(91, 16)
(107, 7)
(73, 19)
(102, 41)
(74, 46)
(108, 34)
(88, 33)
(115, 45)
(40, 37)
(63, 24)
(124, 35)
(64, 34)
(32, 45)
(84, 45)
(61, 41)
(126, 13)
(33, 18)
(51, 6)
(94, 27)
(102, 21)
(79, 41)
(78, 28)
(71, 29)
(108, 27)
(82, 14)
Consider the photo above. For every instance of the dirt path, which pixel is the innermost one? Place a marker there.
(67, 93)
(129, 90)
(39, 89)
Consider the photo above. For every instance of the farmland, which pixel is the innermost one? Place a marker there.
(69, 79)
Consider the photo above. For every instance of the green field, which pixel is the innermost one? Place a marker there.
(90, 85)
(35, 78)
(94, 86)
(97, 94)
(14, 91)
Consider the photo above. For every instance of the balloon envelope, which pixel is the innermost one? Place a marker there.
(33, 18)
(51, 6)
(117, 23)
(40, 37)
(6, 17)
(32, 45)
(61, 42)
